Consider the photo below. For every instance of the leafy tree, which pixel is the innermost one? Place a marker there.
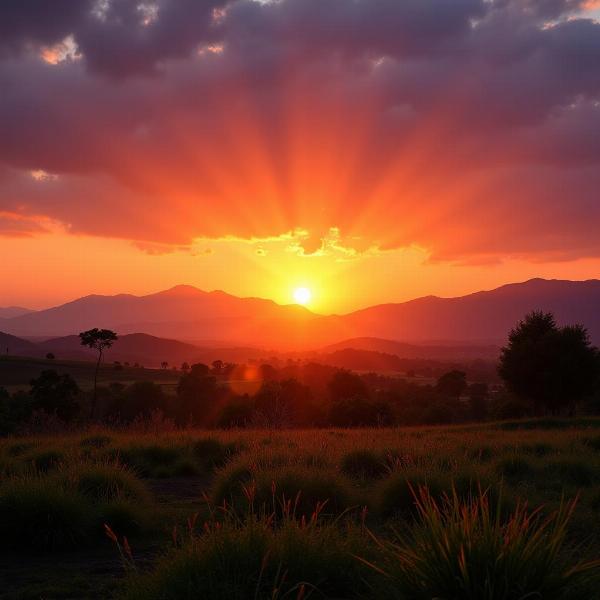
(478, 398)
(345, 385)
(359, 411)
(55, 394)
(272, 408)
(99, 340)
(551, 367)
(164, 365)
(50, 356)
(14, 410)
(237, 412)
(452, 384)
(185, 367)
(196, 393)
(140, 399)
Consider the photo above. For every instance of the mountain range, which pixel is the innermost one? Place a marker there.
(469, 324)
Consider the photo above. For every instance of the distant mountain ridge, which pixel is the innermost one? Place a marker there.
(8, 312)
(141, 348)
(187, 313)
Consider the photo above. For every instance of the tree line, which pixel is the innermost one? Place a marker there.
(546, 369)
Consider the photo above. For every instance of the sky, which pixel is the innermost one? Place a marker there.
(369, 150)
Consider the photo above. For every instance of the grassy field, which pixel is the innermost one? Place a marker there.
(297, 514)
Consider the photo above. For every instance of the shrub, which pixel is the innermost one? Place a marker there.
(124, 517)
(363, 464)
(228, 482)
(212, 453)
(105, 482)
(39, 514)
(287, 489)
(257, 560)
(465, 550)
(154, 460)
(395, 496)
(303, 488)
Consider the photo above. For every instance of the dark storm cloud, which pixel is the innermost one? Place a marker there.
(175, 117)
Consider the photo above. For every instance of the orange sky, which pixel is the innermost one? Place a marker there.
(372, 151)
(68, 266)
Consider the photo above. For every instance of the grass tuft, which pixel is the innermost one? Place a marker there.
(466, 550)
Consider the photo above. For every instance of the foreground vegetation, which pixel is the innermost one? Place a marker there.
(372, 513)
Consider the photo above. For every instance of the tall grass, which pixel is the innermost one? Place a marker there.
(464, 549)
(260, 556)
(69, 507)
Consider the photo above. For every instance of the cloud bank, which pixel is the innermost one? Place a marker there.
(470, 128)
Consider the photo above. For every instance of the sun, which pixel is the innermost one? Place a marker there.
(302, 295)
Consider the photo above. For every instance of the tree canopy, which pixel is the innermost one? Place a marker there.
(550, 366)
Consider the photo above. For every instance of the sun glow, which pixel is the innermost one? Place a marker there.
(302, 295)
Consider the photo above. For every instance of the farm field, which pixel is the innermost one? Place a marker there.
(292, 513)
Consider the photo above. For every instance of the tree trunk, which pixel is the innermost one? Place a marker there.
(93, 407)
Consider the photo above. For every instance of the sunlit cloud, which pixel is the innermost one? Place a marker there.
(41, 175)
(66, 50)
(299, 133)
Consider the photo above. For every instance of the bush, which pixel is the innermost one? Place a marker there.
(465, 550)
(39, 514)
(104, 482)
(228, 482)
(124, 517)
(212, 453)
(257, 560)
(294, 490)
(154, 460)
(363, 464)
(395, 494)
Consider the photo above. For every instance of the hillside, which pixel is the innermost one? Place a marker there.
(485, 316)
(182, 312)
(449, 351)
(8, 312)
(471, 324)
(12, 345)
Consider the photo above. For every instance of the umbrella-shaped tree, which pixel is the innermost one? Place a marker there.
(99, 340)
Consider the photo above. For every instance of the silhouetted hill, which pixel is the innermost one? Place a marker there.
(455, 351)
(187, 313)
(147, 350)
(14, 346)
(482, 316)
(8, 312)
(182, 312)
(477, 369)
